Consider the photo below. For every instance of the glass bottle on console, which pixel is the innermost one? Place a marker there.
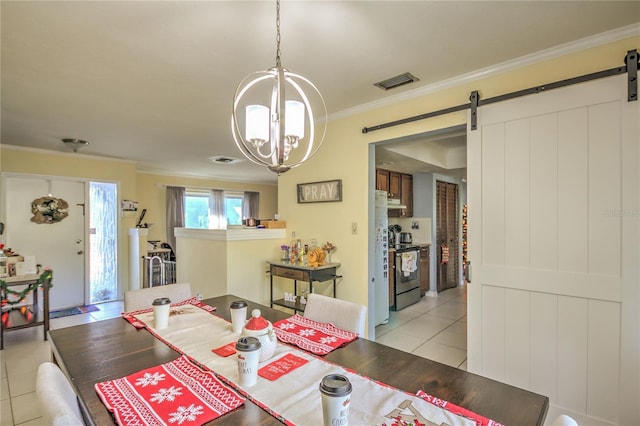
(293, 249)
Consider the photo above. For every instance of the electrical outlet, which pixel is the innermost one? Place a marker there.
(354, 228)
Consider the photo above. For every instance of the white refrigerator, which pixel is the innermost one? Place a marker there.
(381, 278)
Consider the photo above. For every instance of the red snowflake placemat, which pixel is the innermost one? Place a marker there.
(316, 337)
(175, 310)
(178, 392)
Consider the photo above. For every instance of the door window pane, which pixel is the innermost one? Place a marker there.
(103, 242)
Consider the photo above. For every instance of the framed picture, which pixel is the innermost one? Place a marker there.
(327, 191)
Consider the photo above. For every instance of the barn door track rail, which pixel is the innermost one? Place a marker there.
(630, 68)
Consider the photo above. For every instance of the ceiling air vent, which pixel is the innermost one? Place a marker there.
(397, 81)
(219, 159)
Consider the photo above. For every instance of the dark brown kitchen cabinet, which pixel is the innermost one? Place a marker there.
(382, 180)
(390, 182)
(424, 269)
(395, 185)
(398, 186)
(406, 195)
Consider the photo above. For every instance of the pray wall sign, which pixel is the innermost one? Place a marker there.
(320, 192)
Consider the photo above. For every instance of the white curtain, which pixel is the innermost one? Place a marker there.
(250, 205)
(175, 213)
(218, 215)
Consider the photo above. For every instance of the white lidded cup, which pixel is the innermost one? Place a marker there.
(161, 307)
(238, 309)
(336, 397)
(248, 354)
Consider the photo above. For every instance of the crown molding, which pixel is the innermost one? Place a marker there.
(64, 154)
(514, 64)
(158, 172)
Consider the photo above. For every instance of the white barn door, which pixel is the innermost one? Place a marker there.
(553, 243)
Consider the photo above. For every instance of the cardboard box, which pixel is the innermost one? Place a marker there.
(273, 224)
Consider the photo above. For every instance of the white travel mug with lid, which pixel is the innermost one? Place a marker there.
(248, 354)
(161, 307)
(238, 310)
(336, 397)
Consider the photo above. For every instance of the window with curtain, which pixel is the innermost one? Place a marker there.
(250, 204)
(175, 212)
(217, 209)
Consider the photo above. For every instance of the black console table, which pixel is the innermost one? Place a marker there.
(13, 315)
(299, 272)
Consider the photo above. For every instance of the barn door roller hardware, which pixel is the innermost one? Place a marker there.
(630, 68)
(632, 74)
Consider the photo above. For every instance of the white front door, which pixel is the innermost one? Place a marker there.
(59, 245)
(553, 244)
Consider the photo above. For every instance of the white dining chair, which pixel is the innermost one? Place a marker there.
(57, 399)
(564, 420)
(134, 300)
(343, 314)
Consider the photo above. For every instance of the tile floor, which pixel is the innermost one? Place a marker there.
(24, 350)
(434, 328)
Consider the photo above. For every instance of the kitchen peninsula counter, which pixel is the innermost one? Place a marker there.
(218, 261)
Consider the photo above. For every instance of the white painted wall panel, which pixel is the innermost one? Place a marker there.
(573, 187)
(544, 192)
(516, 181)
(604, 189)
(604, 359)
(493, 195)
(517, 337)
(544, 344)
(493, 332)
(572, 353)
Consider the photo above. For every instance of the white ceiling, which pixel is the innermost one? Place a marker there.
(443, 152)
(154, 81)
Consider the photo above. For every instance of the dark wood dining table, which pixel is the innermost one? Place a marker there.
(110, 349)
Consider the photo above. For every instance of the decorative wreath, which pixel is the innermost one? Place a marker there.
(49, 210)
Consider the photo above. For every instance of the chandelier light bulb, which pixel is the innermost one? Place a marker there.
(294, 119)
(257, 124)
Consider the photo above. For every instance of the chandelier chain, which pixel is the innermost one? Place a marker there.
(278, 64)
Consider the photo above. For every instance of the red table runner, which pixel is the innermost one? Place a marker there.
(178, 392)
(480, 420)
(316, 337)
(175, 310)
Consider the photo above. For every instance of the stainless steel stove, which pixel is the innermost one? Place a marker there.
(407, 276)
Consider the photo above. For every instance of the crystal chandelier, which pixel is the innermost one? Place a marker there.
(273, 121)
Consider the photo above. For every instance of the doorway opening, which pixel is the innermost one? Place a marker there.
(103, 242)
(433, 158)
